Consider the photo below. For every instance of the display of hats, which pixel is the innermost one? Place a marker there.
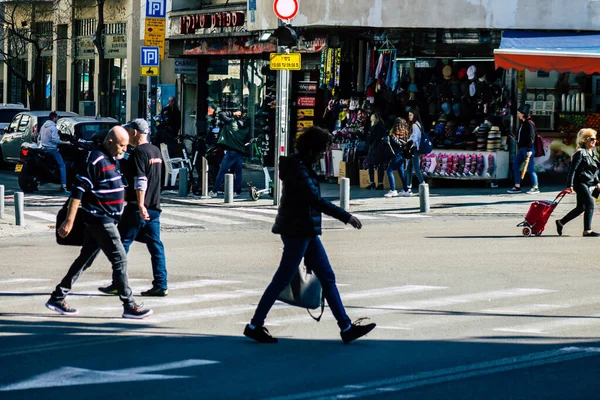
(450, 129)
(439, 129)
(413, 88)
(446, 107)
(456, 109)
(494, 133)
(447, 72)
(443, 118)
(470, 145)
(472, 72)
(461, 73)
(461, 131)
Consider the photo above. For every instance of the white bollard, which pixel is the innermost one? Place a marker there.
(424, 197)
(19, 209)
(345, 193)
(228, 188)
(1, 201)
(204, 177)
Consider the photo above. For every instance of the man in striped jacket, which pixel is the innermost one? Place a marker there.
(100, 191)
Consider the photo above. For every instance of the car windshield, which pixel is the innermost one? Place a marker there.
(7, 115)
(85, 131)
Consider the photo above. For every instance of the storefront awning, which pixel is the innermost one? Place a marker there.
(549, 51)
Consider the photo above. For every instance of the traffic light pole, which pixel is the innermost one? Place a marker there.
(282, 121)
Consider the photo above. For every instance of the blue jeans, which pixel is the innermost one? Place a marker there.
(98, 237)
(61, 164)
(132, 226)
(519, 158)
(414, 164)
(397, 164)
(315, 259)
(234, 160)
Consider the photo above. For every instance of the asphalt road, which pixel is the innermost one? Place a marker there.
(466, 309)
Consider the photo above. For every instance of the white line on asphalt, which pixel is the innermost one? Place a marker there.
(42, 215)
(206, 218)
(533, 308)
(406, 216)
(427, 378)
(430, 303)
(175, 222)
(556, 323)
(238, 214)
(22, 280)
(205, 313)
(259, 210)
(390, 291)
(200, 283)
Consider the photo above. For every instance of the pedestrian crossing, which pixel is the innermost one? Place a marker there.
(411, 309)
(208, 217)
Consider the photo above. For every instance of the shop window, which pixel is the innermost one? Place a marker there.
(47, 82)
(118, 89)
(84, 83)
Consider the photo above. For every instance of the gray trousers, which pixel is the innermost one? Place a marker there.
(98, 237)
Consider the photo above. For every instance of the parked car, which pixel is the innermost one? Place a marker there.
(22, 129)
(85, 127)
(8, 112)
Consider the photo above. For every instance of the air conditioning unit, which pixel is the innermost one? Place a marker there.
(87, 108)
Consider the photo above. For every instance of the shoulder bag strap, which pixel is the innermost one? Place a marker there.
(322, 310)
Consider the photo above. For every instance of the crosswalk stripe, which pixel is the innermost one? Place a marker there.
(206, 218)
(42, 215)
(390, 291)
(202, 313)
(200, 283)
(175, 222)
(525, 309)
(556, 323)
(406, 216)
(432, 303)
(21, 280)
(232, 213)
(268, 211)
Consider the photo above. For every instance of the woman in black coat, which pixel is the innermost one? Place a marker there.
(376, 134)
(298, 222)
(583, 177)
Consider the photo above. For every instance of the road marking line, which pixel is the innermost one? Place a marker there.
(233, 213)
(525, 309)
(406, 216)
(174, 222)
(42, 215)
(200, 283)
(427, 378)
(259, 210)
(204, 218)
(204, 313)
(390, 291)
(557, 323)
(22, 280)
(430, 303)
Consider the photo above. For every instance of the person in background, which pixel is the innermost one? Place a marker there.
(49, 141)
(298, 222)
(100, 191)
(233, 138)
(173, 116)
(414, 141)
(398, 139)
(377, 133)
(525, 140)
(583, 178)
(142, 168)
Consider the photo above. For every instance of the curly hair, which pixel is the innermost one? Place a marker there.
(313, 140)
(400, 129)
(583, 135)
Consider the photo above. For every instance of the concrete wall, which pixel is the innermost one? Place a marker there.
(491, 14)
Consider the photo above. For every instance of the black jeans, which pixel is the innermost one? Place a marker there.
(585, 204)
(98, 237)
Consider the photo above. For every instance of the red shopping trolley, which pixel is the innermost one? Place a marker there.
(539, 213)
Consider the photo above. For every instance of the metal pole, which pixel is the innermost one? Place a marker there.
(204, 177)
(183, 182)
(1, 201)
(345, 193)
(228, 188)
(19, 208)
(281, 124)
(424, 197)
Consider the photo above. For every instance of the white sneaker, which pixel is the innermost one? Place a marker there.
(405, 194)
(391, 193)
(212, 194)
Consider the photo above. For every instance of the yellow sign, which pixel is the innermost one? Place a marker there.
(281, 61)
(304, 124)
(149, 71)
(154, 34)
(306, 112)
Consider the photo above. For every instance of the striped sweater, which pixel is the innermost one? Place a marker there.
(101, 188)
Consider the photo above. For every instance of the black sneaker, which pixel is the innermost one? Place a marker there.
(514, 190)
(63, 189)
(61, 307)
(370, 186)
(356, 331)
(380, 186)
(135, 312)
(110, 289)
(155, 292)
(260, 334)
(591, 234)
(559, 227)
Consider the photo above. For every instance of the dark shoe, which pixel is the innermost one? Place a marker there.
(380, 186)
(155, 292)
(110, 289)
(260, 334)
(356, 331)
(135, 312)
(591, 234)
(559, 227)
(61, 307)
(63, 189)
(371, 186)
(514, 190)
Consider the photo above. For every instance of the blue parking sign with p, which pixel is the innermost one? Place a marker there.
(156, 8)
(149, 56)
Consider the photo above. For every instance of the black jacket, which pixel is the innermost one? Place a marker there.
(376, 133)
(526, 134)
(299, 213)
(584, 169)
(234, 134)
